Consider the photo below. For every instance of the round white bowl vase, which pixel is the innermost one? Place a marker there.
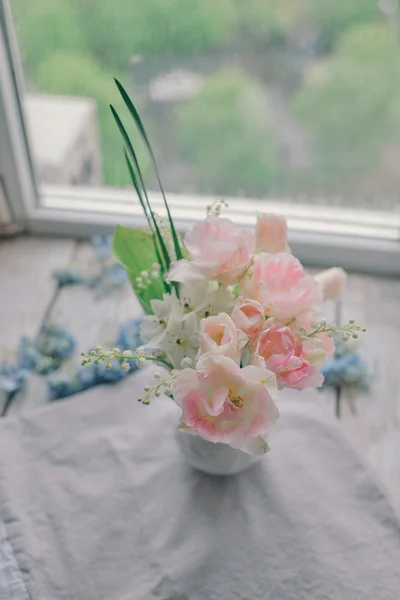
(213, 459)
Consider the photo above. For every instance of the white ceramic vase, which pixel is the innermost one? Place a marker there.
(213, 459)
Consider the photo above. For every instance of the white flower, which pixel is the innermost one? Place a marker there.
(185, 271)
(151, 326)
(168, 305)
(179, 339)
(186, 362)
(204, 297)
(216, 300)
(193, 284)
(154, 325)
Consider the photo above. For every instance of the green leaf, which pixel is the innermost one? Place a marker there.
(157, 235)
(152, 223)
(134, 249)
(135, 115)
(138, 184)
(136, 178)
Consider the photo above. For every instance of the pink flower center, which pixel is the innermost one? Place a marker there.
(249, 311)
(218, 336)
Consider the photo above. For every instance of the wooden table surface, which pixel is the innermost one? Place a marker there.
(29, 295)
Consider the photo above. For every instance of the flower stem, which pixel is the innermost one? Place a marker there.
(98, 355)
(347, 331)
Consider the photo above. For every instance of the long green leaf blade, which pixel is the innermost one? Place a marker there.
(132, 155)
(140, 126)
(134, 182)
(136, 186)
(143, 188)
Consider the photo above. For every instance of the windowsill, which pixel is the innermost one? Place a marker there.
(358, 239)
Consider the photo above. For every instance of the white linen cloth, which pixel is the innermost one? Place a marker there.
(98, 503)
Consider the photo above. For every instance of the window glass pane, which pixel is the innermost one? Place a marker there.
(240, 97)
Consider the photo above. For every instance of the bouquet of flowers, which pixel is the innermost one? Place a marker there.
(230, 313)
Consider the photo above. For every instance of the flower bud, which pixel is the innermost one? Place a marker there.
(332, 282)
(271, 234)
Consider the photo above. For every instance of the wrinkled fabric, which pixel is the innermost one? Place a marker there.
(98, 503)
(12, 586)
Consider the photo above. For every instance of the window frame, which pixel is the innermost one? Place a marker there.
(358, 239)
(16, 167)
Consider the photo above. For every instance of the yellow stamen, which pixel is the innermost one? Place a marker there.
(236, 400)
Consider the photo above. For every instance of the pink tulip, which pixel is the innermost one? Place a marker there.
(220, 249)
(276, 345)
(299, 374)
(271, 234)
(280, 284)
(223, 403)
(293, 360)
(248, 315)
(220, 334)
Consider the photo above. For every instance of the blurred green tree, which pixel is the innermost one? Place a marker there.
(334, 17)
(349, 102)
(117, 30)
(269, 22)
(45, 27)
(224, 134)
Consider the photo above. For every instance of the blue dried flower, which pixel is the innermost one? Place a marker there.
(53, 346)
(68, 276)
(346, 368)
(12, 379)
(62, 385)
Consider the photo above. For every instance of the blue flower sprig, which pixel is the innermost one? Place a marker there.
(62, 384)
(47, 353)
(346, 369)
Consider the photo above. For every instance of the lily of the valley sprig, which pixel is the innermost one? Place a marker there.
(230, 313)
